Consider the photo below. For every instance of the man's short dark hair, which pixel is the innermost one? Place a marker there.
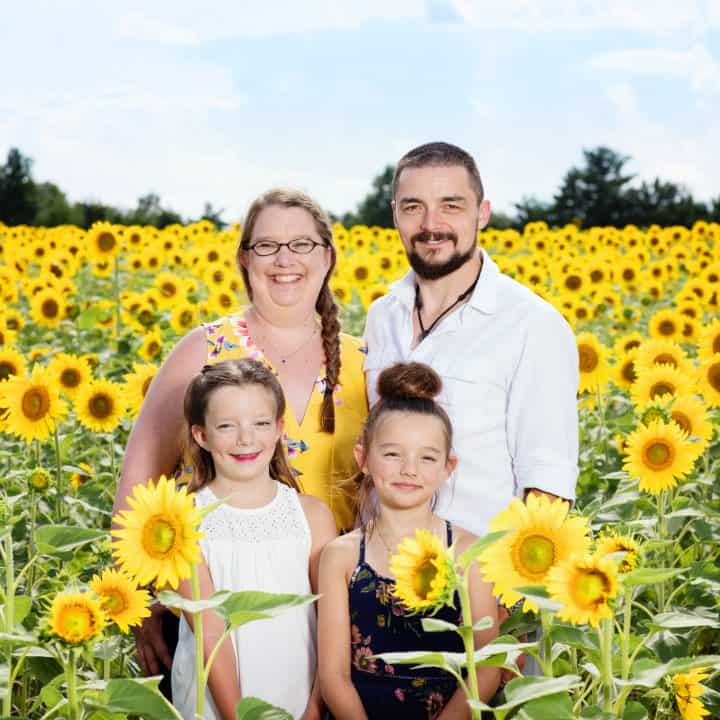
(440, 154)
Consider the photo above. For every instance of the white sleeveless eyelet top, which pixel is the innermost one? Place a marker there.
(268, 549)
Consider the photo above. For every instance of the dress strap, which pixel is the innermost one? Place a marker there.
(361, 559)
(448, 531)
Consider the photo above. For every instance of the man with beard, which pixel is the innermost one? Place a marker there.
(508, 360)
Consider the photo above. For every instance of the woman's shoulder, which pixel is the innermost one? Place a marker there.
(462, 538)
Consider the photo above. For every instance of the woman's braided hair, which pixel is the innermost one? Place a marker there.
(325, 304)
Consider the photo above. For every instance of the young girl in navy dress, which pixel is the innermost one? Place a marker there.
(404, 456)
(266, 536)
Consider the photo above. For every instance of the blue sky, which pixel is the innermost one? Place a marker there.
(218, 101)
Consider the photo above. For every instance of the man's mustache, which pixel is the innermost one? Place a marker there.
(426, 236)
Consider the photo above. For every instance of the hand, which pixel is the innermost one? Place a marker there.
(150, 643)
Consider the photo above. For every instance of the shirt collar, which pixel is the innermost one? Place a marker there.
(484, 297)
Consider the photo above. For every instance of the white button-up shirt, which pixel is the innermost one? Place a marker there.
(509, 365)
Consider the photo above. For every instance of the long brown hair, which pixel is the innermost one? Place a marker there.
(325, 305)
(234, 373)
(402, 387)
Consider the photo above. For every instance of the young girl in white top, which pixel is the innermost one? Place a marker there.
(267, 536)
(405, 456)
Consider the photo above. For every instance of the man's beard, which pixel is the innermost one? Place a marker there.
(435, 271)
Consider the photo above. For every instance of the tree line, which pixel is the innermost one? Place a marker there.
(599, 191)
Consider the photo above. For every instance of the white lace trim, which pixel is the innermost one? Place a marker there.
(280, 519)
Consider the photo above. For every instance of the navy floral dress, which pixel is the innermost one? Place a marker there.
(380, 623)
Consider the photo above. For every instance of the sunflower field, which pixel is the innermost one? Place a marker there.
(625, 587)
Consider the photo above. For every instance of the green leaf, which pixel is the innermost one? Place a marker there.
(679, 620)
(595, 712)
(524, 689)
(243, 607)
(648, 673)
(557, 707)
(138, 696)
(89, 318)
(57, 539)
(469, 556)
(444, 660)
(650, 576)
(575, 637)
(50, 695)
(635, 711)
(174, 600)
(252, 708)
(22, 607)
(540, 596)
(18, 638)
(435, 625)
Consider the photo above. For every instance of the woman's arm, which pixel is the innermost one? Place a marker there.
(154, 447)
(223, 681)
(339, 693)
(482, 604)
(322, 528)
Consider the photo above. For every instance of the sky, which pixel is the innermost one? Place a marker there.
(217, 101)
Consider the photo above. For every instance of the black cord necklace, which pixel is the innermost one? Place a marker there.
(418, 308)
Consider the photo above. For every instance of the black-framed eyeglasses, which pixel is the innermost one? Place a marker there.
(300, 246)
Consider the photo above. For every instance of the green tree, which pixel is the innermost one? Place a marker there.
(375, 208)
(17, 190)
(52, 207)
(214, 216)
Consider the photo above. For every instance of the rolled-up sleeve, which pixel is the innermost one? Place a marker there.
(542, 420)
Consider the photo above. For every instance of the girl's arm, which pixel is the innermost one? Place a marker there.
(223, 679)
(339, 693)
(322, 528)
(482, 604)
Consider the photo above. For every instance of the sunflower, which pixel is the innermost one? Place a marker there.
(151, 347)
(122, 600)
(77, 479)
(11, 363)
(138, 383)
(7, 337)
(169, 288)
(625, 374)
(371, 292)
(691, 415)
(158, 537)
(424, 572)
(657, 381)
(76, 617)
(666, 324)
(104, 243)
(627, 342)
(609, 543)
(342, 290)
(583, 585)
(48, 308)
(688, 691)
(33, 405)
(594, 369)
(663, 352)
(708, 374)
(100, 405)
(541, 535)
(659, 454)
(39, 479)
(71, 372)
(183, 317)
(709, 342)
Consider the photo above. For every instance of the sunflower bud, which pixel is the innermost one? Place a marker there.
(39, 479)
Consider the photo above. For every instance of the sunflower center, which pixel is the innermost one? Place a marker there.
(158, 536)
(665, 359)
(114, 602)
(596, 276)
(423, 579)
(50, 308)
(76, 622)
(153, 348)
(186, 318)
(361, 273)
(682, 420)
(589, 358)
(628, 371)
(385, 263)
(628, 274)
(146, 318)
(661, 388)
(35, 403)
(213, 256)
(535, 555)
(168, 289)
(70, 378)
(667, 327)
(590, 588)
(100, 406)
(573, 282)
(145, 386)
(659, 455)
(106, 241)
(7, 369)
(713, 376)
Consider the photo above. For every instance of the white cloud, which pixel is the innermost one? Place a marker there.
(644, 16)
(696, 64)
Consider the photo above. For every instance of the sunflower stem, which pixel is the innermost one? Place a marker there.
(199, 653)
(662, 552)
(31, 541)
(625, 635)
(605, 636)
(9, 615)
(603, 425)
(112, 457)
(71, 678)
(59, 484)
(469, 643)
(546, 625)
(116, 293)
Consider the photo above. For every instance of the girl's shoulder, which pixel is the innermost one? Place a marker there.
(462, 538)
(344, 550)
(318, 514)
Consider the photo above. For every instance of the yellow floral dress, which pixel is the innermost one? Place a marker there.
(323, 462)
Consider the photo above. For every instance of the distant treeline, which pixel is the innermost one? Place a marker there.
(598, 192)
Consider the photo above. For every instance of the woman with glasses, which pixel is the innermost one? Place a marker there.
(286, 257)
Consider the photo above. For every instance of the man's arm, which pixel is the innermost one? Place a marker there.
(542, 409)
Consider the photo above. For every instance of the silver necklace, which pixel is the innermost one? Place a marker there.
(284, 358)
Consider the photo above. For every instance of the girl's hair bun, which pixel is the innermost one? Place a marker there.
(409, 381)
